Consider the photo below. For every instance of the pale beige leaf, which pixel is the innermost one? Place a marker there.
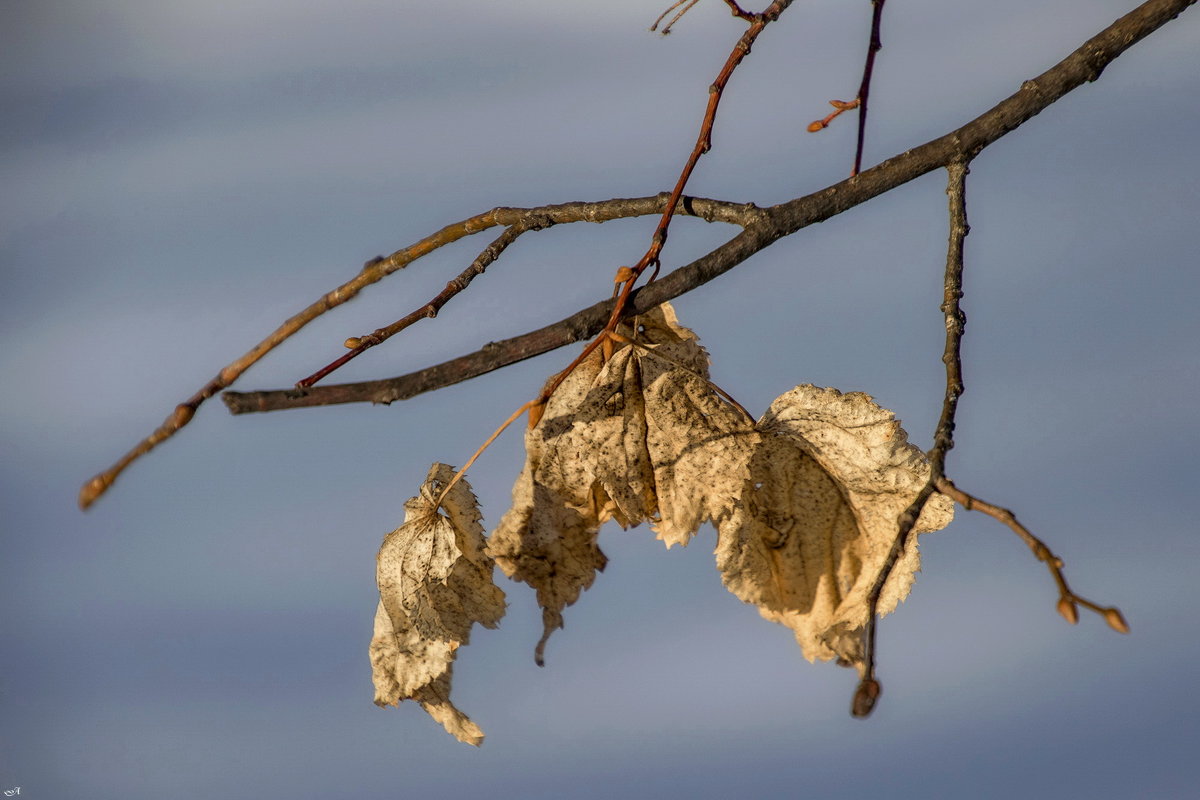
(675, 432)
(697, 443)
(435, 583)
(827, 481)
(638, 437)
(547, 539)
(405, 666)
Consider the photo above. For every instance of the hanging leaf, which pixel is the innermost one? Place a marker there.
(547, 539)
(612, 436)
(435, 583)
(825, 484)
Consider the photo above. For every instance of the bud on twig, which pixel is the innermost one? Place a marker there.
(1069, 611)
(864, 698)
(1115, 621)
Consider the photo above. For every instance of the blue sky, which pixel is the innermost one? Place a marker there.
(181, 176)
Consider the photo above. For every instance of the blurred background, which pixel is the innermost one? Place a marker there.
(181, 176)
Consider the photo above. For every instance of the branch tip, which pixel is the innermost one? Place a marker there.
(1069, 611)
(865, 697)
(1115, 620)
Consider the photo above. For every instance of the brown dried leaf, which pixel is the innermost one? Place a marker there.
(825, 483)
(435, 582)
(694, 436)
(618, 440)
(547, 539)
(657, 448)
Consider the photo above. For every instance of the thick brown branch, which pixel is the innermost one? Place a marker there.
(767, 225)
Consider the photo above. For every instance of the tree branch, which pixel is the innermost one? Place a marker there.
(379, 268)
(762, 226)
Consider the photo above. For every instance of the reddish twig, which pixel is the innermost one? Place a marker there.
(703, 144)
(737, 11)
(1068, 601)
(840, 107)
(360, 344)
(864, 88)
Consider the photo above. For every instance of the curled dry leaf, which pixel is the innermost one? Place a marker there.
(630, 439)
(805, 502)
(825, 483)
(435, 583)
(548, 538)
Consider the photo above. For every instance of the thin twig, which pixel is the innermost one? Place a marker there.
(864, 88)
(429, 310)
(1067, 599)
(943, 438)
(371, 272)
(667, 28)
(737, 11)
(765, 227)
(839, 107)
(703, 144)
(379, 268)
(495, 434)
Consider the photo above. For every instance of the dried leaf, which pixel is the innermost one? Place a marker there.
(693, 434)
(435, 583)
(618, 440)
(825, 483)
(547, 539)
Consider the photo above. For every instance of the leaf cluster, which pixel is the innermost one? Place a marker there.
(805, 502)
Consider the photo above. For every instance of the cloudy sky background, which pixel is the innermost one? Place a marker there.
(180, 176)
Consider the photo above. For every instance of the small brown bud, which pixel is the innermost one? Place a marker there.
(352, 343)
(864, 698)
(1115, 620)
(1069, 611)
(816, 125)
(93, 489)
(844, 105)
(182, 416)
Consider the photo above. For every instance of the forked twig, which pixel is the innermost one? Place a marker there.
(359, 344)
(379, 268)
(687, 6)
(1067, 599)
(943, 438)
(371, 272)
(762, 228)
